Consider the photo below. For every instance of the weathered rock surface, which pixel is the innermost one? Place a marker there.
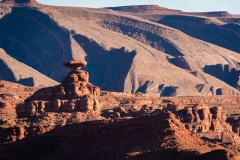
(149, 136)
(212, 123)
(209, 124)
(74, 94)
(133, 125)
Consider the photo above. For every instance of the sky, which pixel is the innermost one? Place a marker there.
(232, 6)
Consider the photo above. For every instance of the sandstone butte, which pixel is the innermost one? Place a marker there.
(50, 112)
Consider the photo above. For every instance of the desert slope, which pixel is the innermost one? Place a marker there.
(124, 52)
(15, 71)
(208, 54)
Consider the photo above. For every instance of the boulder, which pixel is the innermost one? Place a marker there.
(75, 64)
(227, 138)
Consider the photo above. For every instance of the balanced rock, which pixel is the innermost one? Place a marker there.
(74, 94)
(75, 65)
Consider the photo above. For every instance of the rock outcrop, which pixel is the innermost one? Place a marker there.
(130, 124)
(208, 123)
(147, 137)
(74, 94)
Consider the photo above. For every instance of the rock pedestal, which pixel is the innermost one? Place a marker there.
(201, 120)
(74, 94)
(209, 123)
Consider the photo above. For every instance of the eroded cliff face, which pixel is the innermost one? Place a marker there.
(53, 124)
(147, 136)
(227, 73)
(126, 52)
(209, 123)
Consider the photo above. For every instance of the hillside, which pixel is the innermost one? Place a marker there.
(126, 52)
(155, 9)
(15, 71)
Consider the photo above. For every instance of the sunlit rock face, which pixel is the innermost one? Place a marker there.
(74, 94)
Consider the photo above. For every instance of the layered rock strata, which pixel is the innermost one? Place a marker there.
(74, 94)
(148, 137)
(209, 123)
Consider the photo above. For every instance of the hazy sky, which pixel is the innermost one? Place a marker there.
(232, 6)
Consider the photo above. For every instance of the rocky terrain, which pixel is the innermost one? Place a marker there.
(156, 83)
(147, 49)
(75, 120)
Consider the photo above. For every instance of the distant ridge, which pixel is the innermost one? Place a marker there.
(145, 9)
(27, 2)
(155, 9)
